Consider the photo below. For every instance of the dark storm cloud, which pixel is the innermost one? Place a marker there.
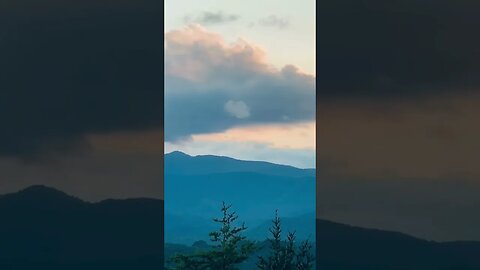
(209, 18)
(212, 86)
(69, 68)
(396, 49)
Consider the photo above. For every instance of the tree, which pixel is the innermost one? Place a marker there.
(284, 255)
(186, 262)
(231, 247)
(304, 257)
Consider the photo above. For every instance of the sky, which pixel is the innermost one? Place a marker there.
(81, 97)
(397, 102)
(284, 29)
(398, 106)
(241, 82)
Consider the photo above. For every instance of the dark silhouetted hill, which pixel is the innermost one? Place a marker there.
(43, 228)
(342, 247)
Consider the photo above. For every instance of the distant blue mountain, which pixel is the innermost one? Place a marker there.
(195, 187)
(180, 163)
(303, 226)
(189, 229)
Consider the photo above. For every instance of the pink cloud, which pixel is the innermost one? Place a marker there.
(286, 136)
(223, 85)
(194, 52)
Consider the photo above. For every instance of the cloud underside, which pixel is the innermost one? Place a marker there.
(212, 86)
(70, 70)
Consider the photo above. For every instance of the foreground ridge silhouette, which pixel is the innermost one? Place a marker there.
(43, 228)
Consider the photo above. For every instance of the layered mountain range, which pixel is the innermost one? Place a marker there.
(44, 228)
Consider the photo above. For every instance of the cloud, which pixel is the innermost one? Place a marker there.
(284, 136)
(203, 73)
(274, 21)
(70, 70)
(210, 18)
(238, 109)
(397, 49)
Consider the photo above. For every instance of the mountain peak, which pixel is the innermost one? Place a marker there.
(40, 194)
(40, 189)
(177, 154)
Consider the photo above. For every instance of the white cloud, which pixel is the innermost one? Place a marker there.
(237, 109)
(202, 72)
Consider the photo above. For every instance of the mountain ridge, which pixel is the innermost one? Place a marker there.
(199, 184)
(204, 164)
(126, 235)
(43, 228)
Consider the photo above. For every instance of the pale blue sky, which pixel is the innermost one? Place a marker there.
(293, 44)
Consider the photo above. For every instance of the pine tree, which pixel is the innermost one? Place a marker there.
(231, 247)
(283, 253)
(187, 262)
(304, 256)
